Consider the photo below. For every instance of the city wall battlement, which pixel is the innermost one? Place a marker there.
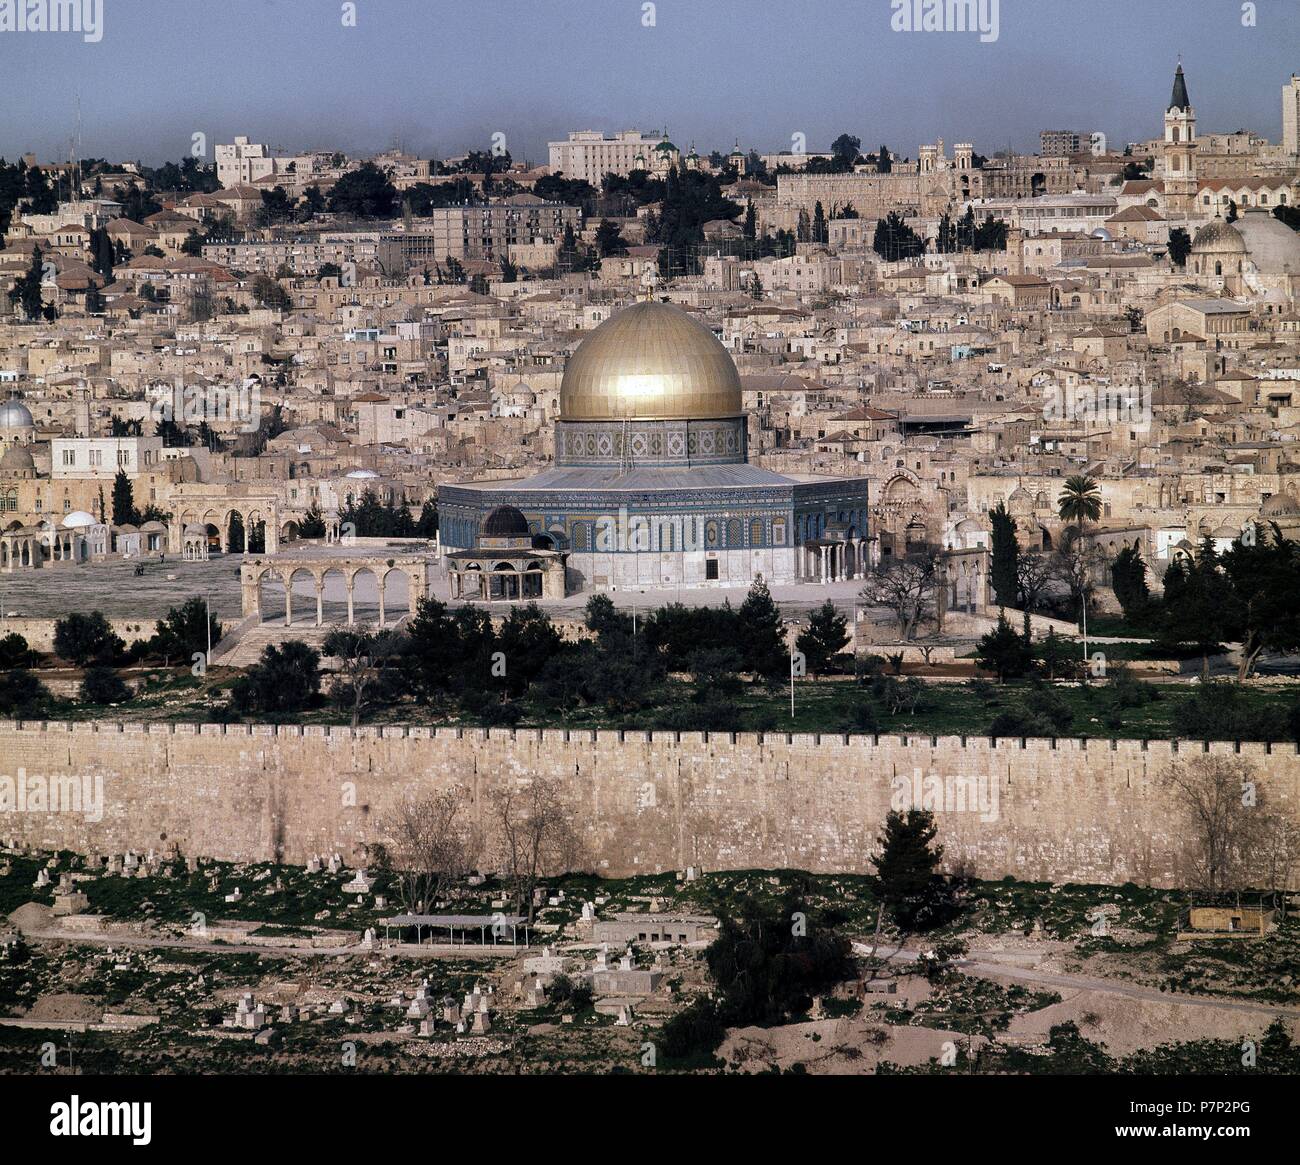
(1039, 809)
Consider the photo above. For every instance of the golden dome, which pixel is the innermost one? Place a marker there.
(650, 362)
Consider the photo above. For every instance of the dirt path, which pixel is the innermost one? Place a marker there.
(993, 969)
(296, 949)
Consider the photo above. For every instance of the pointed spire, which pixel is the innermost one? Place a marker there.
(1179, 100)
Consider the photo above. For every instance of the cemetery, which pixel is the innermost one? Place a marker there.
(156, 962)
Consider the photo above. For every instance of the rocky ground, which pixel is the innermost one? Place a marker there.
(131, 984)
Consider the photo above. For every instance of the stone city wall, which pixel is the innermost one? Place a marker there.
(1065, 810)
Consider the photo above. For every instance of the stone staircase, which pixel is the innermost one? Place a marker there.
(251, 642)
(231, 639)
(243, 646)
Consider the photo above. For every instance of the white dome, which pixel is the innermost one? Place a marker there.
(15, 415)
(1103, 234)
(77, 519)
(361, 473)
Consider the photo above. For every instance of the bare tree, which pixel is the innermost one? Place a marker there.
(432, 846)
(1224, 810)
(907, 585)
(1033, 574)
(1075, 565)
(363, 656)
(1277, 855)
(1189, 394)
(536, 837)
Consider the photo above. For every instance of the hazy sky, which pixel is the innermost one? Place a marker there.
(444, 75)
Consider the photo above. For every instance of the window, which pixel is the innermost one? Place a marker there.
(69, 457)
(710, 572)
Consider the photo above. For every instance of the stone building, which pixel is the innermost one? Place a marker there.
(505, 563)
(1218, 255)
(652, 484)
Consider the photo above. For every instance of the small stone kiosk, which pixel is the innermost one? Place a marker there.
(505, 565)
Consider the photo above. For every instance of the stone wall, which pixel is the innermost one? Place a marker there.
(39, 630)
(1047, 810)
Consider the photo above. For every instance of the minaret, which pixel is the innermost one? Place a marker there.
(1178, 152)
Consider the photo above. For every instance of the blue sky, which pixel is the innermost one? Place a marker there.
(444, 75)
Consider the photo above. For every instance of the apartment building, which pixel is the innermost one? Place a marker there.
(243, 162)
(488, 232)
(591, 155)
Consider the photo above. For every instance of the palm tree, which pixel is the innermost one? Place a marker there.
(1080, 500)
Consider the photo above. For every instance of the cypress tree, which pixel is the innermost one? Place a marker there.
(1006, 556)
(760, 634)
(124, 511)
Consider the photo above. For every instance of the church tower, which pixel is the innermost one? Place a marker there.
(1178, 151)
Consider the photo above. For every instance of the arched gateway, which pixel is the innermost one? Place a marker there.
(401, 577)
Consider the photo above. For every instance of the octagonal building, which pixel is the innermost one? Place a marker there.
(652, 484)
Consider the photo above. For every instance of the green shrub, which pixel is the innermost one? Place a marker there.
(102, 685)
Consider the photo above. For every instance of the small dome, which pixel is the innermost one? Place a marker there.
(154, 527)
(1101, 233)
(1283, 505)
(17, 459)
(1218, 235)
(362, 474)
(195, 528)
(77, 519)
(505, 522)
(1225, 532)
(15, 415)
